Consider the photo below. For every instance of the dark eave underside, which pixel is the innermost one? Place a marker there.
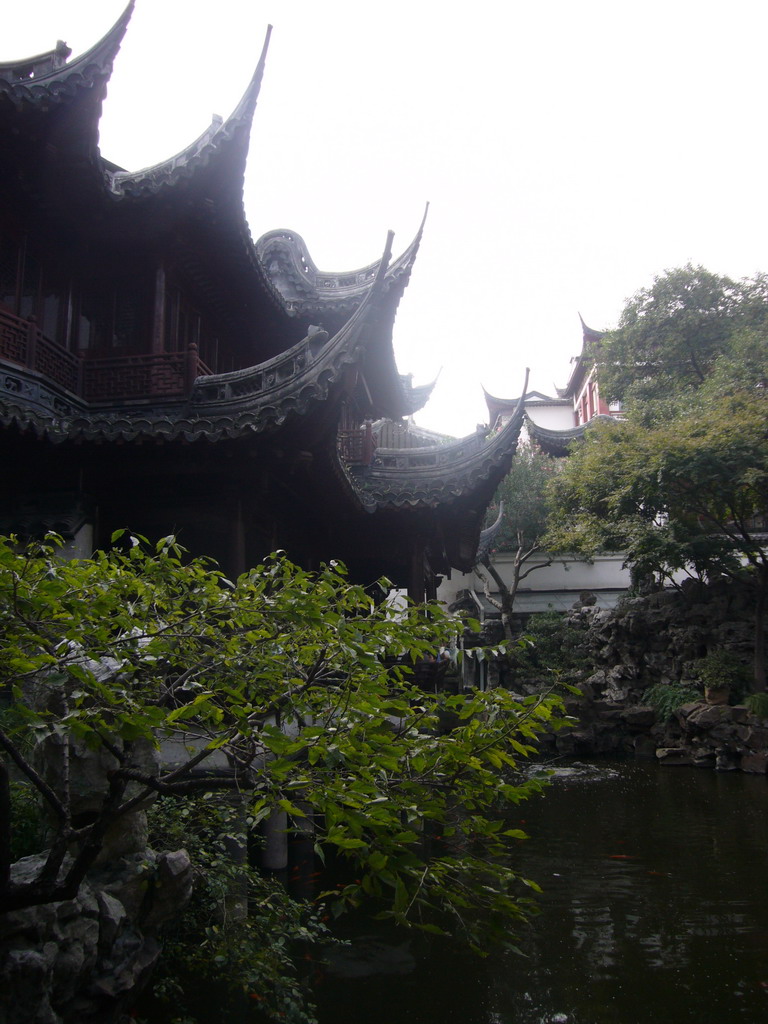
(558, 442)
(229, 405)
(446, 473)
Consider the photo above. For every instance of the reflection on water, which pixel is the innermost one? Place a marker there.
(655, 909)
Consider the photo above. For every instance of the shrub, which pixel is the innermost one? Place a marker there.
(247, 956)
(29, 833)
(721, 669)
(309, 688)
(551, 644)
(666, 698)
(757, 704)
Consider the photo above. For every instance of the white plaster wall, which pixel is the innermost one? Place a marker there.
(552, 417)
(556, 585)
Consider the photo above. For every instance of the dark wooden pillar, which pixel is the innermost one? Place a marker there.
(416, 574)
(237, 540)
(158, 313)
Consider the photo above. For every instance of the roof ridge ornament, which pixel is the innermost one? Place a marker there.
(385, 260)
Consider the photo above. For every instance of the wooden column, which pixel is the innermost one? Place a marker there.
(416, 574)
(158, 313)
(237, 540)
(274, 856)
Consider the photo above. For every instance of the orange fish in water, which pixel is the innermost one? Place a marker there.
(621, 856)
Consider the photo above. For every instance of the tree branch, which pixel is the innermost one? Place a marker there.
(34, 777)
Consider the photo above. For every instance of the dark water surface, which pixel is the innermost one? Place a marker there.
(655, 909)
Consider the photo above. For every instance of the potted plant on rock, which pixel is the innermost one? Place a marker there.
(722, 674)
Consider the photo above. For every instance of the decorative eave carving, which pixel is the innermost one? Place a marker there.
(308, 292)
(438, 475)
(47, 81)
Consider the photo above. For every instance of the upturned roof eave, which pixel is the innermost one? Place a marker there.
(418, 396)
(307, 291)
(488, 536)
(583, 362)
(439, 474)
(558, 442)
(82, 72)
(498, 406)
(450, 495)
(216, 146)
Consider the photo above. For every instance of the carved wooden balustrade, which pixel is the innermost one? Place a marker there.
(356, 447)
(99, 379)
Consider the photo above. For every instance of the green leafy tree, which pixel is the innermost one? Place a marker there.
(682, 483)
(671, 335)
(304, 682)
(521, 501)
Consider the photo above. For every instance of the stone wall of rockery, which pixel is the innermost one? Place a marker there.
(658, 639)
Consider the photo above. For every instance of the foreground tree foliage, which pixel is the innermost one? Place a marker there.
(304, 683)
(681, 484)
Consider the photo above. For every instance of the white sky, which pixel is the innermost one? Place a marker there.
(569, 151)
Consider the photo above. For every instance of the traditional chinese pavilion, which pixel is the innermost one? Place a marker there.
(161, 371)
(555, 422)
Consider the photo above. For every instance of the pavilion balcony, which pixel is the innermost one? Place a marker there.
(97, 378)
(356, 446)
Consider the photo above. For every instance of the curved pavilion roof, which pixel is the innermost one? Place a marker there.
(47, 81)
(558, 442)
(217, 249)
(582, 363)
(501, 407)
(300, 384)
(225, 141)
(224, 405)
(303, 289)
(454, 480)
(401, 477)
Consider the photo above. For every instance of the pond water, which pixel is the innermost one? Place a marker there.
(655, 909)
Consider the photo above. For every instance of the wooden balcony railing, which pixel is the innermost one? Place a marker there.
(99, 379)
(357, 446)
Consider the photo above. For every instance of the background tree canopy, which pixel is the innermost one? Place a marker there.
(671, 335)
(681, 484)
